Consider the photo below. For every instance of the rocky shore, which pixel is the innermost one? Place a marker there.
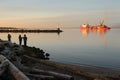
(13, 54)
(35, 64)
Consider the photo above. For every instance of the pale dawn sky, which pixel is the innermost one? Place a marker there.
(50, 13)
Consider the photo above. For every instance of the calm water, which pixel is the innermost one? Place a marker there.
(73, 46)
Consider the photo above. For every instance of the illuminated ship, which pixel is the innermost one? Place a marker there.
(101, 26)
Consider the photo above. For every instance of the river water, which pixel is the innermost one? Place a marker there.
(73, 46)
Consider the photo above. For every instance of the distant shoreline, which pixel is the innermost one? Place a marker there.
(21, 30)
(30, 31)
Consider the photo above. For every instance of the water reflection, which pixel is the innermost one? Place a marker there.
(85, 32)
(100, 32)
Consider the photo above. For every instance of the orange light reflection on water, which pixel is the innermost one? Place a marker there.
(100, 32)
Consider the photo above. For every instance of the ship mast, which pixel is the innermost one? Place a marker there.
(102, 22)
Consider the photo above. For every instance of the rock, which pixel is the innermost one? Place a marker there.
(3, 66)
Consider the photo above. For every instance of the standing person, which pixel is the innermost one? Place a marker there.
(25, 40)
(9, 37)
(20, 40)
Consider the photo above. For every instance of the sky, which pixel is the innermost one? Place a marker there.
(65, 13)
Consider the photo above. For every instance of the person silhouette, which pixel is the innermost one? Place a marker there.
(25, 40)
(20, 40)
(9, 37)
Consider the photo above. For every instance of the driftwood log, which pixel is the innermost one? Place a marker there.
(57, 76)
(17, 74)
(41, 77)
(68, 68)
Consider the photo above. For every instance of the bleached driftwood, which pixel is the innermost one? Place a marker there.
(41, 77)
(17, 74)
(58, 76)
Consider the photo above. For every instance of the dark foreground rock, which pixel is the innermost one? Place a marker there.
(6, 76)
(35, 52)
